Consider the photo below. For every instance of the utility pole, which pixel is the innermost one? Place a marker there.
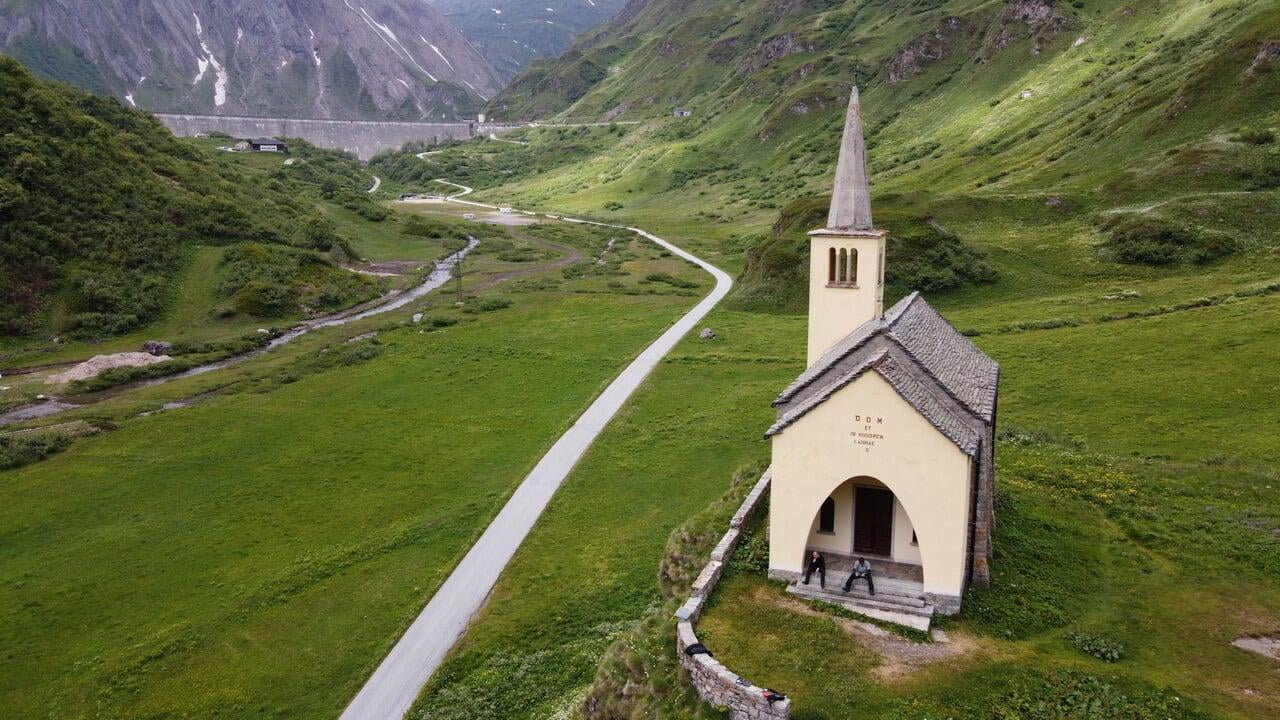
(457, 274)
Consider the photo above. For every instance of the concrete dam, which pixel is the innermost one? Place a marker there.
(363, 138)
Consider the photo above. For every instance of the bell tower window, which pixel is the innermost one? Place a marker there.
(842, 267)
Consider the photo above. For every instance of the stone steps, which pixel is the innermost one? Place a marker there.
(890, 609)
(886, 590)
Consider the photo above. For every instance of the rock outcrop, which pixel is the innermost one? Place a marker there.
(924, 50)
(1265, 61)
(157, 347)
(773, 50)
(1022, 19)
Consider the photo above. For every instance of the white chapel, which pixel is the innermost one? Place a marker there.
(883, 447)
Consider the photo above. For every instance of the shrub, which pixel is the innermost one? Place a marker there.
(442, 321)
(320, 233)
(1097, 646)
(1150, 240)
(520, 255)
(1080, 696)
(417, 226)
(669, 279)
(224, 348)
(493, 304)
(327, 358)
(19, 450)
(263, 299)
(270, 281)
(923, 255)
(1256, 137)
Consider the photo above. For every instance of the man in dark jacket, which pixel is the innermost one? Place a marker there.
(861, 571)
(816, 562)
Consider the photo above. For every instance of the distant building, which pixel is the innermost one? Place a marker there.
(268, 145)
(480, 118)
(683, 112)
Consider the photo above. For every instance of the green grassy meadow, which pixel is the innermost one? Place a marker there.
(304, 512)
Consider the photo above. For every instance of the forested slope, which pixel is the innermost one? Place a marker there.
(100, 204)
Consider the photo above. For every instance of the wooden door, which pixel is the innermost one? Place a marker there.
(873, 521)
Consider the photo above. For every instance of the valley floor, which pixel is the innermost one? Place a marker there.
(316, 497)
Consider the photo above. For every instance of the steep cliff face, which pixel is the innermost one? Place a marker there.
(511, 34)
(310, 58)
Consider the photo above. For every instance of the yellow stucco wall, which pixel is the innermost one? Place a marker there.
(927, 473)
(834, 312)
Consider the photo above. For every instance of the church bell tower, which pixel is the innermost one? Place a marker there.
(846, 258)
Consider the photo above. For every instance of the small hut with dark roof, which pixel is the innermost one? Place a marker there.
(268, 145)
(883, 447)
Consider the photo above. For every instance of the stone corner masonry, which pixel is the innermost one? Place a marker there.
(715, 683)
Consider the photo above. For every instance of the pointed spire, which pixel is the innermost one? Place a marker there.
(851, 198)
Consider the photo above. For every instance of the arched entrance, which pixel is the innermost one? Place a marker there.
(862, 517)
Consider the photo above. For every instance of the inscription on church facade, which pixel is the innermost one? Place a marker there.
(868, 431)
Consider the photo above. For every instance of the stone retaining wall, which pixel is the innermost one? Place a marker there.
(715, 683)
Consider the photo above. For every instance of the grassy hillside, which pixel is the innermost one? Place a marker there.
(1155, 123)
(102, 211)
(1086, 189)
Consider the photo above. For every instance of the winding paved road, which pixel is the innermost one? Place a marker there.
(377, 183)
(391, 690)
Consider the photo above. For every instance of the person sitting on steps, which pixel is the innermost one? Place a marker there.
(816, 562)
(861, 570)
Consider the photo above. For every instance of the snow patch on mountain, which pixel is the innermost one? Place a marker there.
(433, 47)
(221, 77)
(315, 55)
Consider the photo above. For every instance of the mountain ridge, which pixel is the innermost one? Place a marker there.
(326, 59)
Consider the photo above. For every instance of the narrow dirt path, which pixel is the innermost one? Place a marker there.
(572, 256)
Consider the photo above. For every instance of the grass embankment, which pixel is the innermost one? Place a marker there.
(301, 517)
(1117, 547)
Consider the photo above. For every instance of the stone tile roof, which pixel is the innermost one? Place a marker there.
(967, 374)
(922, 399)
(943, 375)
(827, 390)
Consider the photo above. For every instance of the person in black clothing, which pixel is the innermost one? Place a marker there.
(861, 571)
(816, 562)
